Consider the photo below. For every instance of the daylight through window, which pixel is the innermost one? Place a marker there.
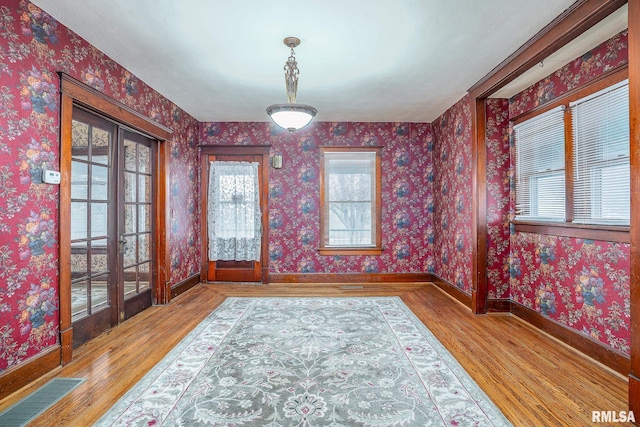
(350, 189)
(589, 185)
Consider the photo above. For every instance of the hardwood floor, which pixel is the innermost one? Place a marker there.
(532, 378)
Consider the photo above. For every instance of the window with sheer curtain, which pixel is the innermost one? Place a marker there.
(234, 218)
(591, 185)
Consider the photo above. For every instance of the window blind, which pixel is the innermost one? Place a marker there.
(601, 156)
(350, 194)
(540, 167)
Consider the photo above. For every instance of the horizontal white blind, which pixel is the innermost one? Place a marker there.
(540, 170)
(601, 157)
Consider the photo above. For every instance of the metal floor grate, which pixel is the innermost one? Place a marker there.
(38, 401)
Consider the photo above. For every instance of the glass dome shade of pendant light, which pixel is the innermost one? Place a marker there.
(291, 116)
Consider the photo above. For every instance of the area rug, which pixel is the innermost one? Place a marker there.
(307, 362)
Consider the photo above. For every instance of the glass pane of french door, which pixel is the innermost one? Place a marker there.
(111, 216)
(137, 202)
(91, 223)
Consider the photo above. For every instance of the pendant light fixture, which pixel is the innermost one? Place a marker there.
(291, 116)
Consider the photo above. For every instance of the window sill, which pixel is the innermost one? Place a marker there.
(350, 251)
(607, 233)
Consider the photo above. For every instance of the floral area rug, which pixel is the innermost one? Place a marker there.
(307, 362)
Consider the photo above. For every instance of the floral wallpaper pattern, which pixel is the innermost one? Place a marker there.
(605, 57)
(582, 284)
(33, 47)
(452, 188)
(184, 197)
(407, 197)
(498, 197)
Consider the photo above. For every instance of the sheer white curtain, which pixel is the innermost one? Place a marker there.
(235, 226)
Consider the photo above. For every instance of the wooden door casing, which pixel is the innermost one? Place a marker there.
(93, 255)
(236, 271)
(75, 93)
(118, 280)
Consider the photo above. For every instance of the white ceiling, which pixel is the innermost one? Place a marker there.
(375, 60)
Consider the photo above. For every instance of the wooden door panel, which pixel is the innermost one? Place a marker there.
(228, 270)
(112, 198)
(91, 326)
(136, 304)
(92, 212)
(88, 187)
(237, 271)
(233, 273)
(136, 203)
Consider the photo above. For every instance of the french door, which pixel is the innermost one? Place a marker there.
(112, 201)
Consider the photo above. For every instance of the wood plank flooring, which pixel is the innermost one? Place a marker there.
(532, 378)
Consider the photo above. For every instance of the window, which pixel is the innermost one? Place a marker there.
(601, 176)
(572, 161)
(540, 169)
(350, 200)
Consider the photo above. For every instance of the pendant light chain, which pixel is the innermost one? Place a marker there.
(291, 73)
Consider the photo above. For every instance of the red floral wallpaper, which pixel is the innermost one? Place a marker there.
(581, 284)
(407, 197)
(605, 57)
(184, 197)
(33, 47)
(453, 177)
(498, 197)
